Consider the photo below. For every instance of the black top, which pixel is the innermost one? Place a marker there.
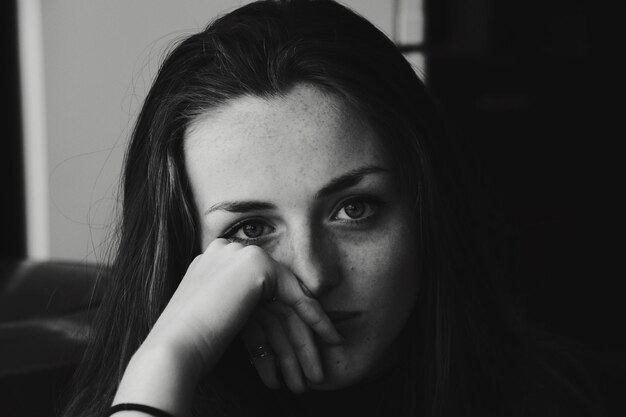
(238, 391)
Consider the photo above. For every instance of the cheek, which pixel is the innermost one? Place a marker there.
(204, 238)
(383, 271)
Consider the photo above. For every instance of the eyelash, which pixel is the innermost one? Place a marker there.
(374, 204)
(232, 230)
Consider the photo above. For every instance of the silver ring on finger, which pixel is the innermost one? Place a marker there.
(259, 352)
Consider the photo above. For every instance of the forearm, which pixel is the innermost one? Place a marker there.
(180, 350)
(156, 377)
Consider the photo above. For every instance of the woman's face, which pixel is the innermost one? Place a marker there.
(305, 179)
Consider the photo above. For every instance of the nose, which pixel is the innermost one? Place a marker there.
(312, 257)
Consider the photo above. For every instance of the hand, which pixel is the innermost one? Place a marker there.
(220, 290)
(279, 328)
(215, 299)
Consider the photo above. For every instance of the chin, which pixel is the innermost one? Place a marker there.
(345, 366)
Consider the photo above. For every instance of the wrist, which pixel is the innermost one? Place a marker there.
(170, 357)
(159, 377)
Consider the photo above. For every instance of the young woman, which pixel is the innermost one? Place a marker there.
(294, 241)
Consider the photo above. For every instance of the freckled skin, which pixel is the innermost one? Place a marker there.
(283, 150)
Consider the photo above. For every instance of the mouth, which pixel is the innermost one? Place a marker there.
(340, 316)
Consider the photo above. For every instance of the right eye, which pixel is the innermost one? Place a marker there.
(248, 231)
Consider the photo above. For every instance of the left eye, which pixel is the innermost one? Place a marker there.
(248, 231)
(357, 209)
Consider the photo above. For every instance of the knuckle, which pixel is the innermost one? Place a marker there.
(195, 261)
(235, 246)
(300, 346)
(256, 256)
(300, 302)
(253, 252)
(316, 323)
(217, 243)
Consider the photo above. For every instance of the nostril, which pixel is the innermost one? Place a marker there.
(305, 289)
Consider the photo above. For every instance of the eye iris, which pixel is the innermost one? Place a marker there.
(354, 210)
(252, 230)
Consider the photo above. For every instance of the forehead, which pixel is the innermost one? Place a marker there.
(303, 138)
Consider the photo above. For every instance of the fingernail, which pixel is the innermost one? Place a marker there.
(318, 375)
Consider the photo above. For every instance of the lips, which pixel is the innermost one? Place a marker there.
(338, 316)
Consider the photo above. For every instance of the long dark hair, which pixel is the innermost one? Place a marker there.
(460, 329)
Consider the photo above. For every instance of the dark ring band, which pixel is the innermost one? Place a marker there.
(138, 407)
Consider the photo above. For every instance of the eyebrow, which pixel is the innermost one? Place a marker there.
(347, 180)
(240, 206)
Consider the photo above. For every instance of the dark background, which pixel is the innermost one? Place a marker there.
(528, 87)
(532, 90)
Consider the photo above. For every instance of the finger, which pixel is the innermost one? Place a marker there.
(217, 244)
(304, 345)
(285, 355)
(289, 292)
(194, 263)
(253, 338)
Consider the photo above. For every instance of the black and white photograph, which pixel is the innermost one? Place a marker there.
(293, 208)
